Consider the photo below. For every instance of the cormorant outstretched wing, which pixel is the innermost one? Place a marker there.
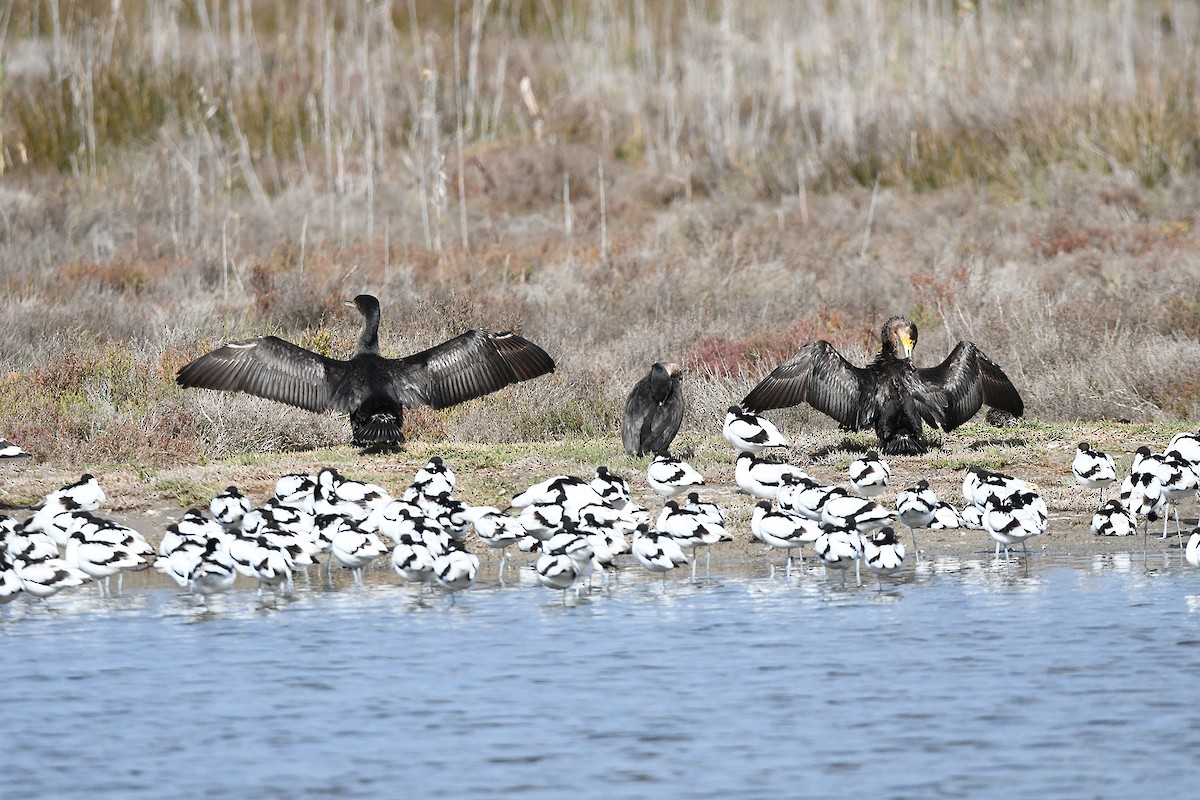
(267, 367)
(966, 380)
(821, 377)
(470, 365)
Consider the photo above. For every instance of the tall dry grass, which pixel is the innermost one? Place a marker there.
(707, 182)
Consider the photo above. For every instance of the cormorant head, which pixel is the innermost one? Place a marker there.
(365, 303)
(673, 371)
(899, 338)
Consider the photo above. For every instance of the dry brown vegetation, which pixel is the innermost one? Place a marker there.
(713, 183)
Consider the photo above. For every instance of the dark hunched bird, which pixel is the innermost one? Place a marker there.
(653, 411)
(889, 394)
(372, 389)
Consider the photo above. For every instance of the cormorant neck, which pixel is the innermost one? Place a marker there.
(368, 340)
(888, 352)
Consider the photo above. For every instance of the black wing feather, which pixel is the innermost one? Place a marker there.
(470, 365)
(965, 381)
(821, 377)
(638, 415)
(266, 367)
(653, 413)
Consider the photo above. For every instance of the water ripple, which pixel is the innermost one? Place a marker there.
(968, 678)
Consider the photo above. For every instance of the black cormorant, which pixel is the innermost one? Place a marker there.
(653, 411)
(372, 389)
(889, 394)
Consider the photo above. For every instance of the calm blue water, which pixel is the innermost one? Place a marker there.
(1069, 680)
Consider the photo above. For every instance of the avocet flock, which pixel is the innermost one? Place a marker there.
(579, 528)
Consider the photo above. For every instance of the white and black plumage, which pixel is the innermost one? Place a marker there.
(1015, 519)
(395, 518)
(184, 543)
(750, 433)
(337, 494)
(1185, 445)
(45, 578)
(412, 558)
(946, 517)
(653, 411)
(447, 512)
(229, 507)
(838, 547)
(670, 477)
(557, 571)
(565, 560)
(1192, 551)
(8, 526)
(83, 495)
(435, 478)
(861, 513)
(883, 553)
(608, 521)
(541, 521)
(810, 500)
(982, 486)
(26, 546)
(889, 394)
(710, 511)
(10, 452)
(372, 389)
(297, 490)
(971, 516)
(1114, 519)
(656, 551)
(870, 474)
(455, 569)
(786, 498)
(1093, 469)
(495, 529)
(10, 581)
(612, 488)
(1179, 482)
(1142, 492)
(100, 554)
(761, 478)
(354, 549)
(261, 559)
(782, 530)
(569, 491)
(214, 571)
(917, 508)
(691, 530)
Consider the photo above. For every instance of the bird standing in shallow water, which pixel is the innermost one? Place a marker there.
(653, 411)
(883, 553)
(372, 389)
(838, 546)
(889, 394)
(917, 508)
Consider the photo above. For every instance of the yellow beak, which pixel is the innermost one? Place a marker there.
(907, 344)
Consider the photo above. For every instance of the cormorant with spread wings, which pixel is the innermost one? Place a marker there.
(372, 389)
(889, 394)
